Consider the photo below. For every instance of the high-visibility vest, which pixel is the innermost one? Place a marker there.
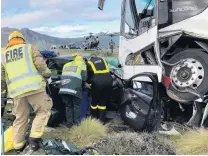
(74, 69)
(21, 73)
(102, 63)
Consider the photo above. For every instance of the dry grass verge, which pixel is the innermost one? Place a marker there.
(128, 143)
(90, 131)
(193, 142)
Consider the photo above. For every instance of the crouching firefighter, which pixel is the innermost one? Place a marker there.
(101, 84)
(72, 92)
(23, 72)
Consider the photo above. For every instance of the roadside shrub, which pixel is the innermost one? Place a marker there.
(128, 143)
(90, 131)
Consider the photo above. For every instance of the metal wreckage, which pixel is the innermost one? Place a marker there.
(141, 105)
(172, 82)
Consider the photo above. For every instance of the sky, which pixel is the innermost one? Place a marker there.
(61, 18)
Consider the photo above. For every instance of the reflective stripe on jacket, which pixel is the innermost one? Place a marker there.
(99, 66)
(21, 73)
(75, 71)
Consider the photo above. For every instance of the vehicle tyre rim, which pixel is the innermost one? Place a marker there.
(189, 74)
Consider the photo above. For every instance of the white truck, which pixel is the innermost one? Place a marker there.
(172, 38)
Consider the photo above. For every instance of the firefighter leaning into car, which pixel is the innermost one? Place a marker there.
(101, 83)
(72, 92)
(23, 72)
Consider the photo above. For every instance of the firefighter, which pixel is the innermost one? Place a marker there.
(72, 92)
(101, 84)
(23, 73)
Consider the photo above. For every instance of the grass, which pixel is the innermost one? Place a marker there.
(193, 142)
(131, 143)
(97, 52)
(90, 131)
(122, 140)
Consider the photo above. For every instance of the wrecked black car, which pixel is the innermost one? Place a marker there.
(56, 64)
(136, 102)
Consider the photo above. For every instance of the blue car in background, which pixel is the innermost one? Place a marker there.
(48, 54)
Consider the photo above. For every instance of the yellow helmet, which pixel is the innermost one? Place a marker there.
(79, 59)
(15, 34)
(74, 54)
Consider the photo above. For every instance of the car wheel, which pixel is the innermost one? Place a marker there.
(193, 74)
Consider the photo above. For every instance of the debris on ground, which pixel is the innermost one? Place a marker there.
(118, 138)
(116, 126)
(173, 129)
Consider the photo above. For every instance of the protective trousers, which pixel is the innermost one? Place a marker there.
(41, 104)
(100, 92)
(73, 109)
(85, 103)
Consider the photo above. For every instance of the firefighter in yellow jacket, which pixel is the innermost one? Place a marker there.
(23, 71)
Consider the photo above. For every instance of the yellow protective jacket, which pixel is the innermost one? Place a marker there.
(23, 69)
(76, 71)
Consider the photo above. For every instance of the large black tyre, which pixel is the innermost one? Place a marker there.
(202, 57)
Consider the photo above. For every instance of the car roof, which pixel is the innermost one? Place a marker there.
(66, 57)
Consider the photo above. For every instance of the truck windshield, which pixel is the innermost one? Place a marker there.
(173, 11)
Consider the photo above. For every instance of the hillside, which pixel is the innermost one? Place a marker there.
(44, 41)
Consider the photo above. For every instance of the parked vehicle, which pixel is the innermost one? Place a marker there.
(47, 54)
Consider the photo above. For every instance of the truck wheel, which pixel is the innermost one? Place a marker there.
(193, 73)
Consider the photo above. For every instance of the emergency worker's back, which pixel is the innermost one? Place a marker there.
(76, 72)
(21, 73)
(98, 71)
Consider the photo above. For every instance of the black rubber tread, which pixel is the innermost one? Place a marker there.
(200, 56)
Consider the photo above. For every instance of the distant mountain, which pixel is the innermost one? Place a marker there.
(43, 42)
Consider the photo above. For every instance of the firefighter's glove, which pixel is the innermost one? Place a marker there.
(88, 85)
